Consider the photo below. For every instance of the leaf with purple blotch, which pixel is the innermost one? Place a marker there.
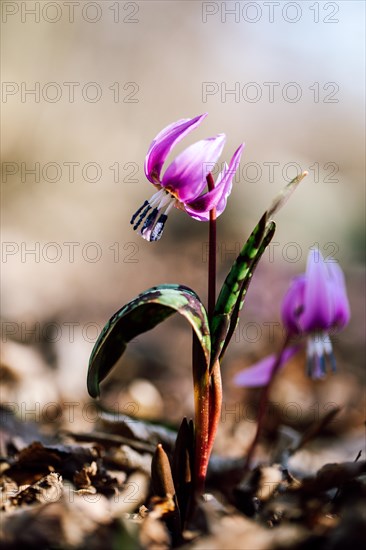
(143, 313)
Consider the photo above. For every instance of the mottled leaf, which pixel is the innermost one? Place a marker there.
(243, 291)
(232, 294)
(285, 194)
(140, 315)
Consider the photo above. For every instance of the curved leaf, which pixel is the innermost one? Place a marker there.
(285, 194)
(243, 291)
(232, 294)
(143, 313)
(233, 291)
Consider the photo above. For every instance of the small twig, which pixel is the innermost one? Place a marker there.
(341, 486)
(110, 439)
(315, 429)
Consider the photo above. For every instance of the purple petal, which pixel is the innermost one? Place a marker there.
(341, 311)
(217, 197)
(164, 143)
(292, 304)
(318, 308)
(186, 175)
(228, 177)
(260, 373)
(205, 203)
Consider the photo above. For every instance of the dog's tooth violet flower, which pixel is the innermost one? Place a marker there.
(315, 305)
(184, 181)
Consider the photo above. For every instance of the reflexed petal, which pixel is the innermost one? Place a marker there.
(259, 374)
(217, 197)
(186, 175)
(341, 313)
(318, 306)
(200, 208)
(164, 142)
(292, 305)
(227, 179)
(205, 202)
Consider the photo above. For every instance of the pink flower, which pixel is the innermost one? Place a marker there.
(184, 181)
(315, 304)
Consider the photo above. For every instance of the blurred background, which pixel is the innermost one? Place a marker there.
(86, 87)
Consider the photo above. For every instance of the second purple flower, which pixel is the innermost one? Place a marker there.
(315, 305)
(184, 181)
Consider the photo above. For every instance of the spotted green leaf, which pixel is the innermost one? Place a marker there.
(143, 313)
(233, 291)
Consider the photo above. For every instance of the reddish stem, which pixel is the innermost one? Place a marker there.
(208, 392)
(215, 397)
(211, 254)
(263, 404)
(215, 392)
